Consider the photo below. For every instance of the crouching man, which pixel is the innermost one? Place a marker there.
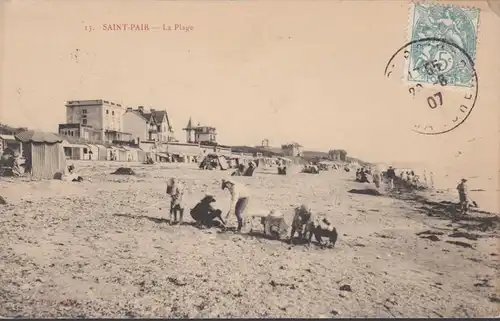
(205, 215)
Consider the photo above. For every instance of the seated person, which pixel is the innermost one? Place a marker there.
(240, 171)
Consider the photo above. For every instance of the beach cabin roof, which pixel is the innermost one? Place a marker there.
(32, 136)
(130, 148)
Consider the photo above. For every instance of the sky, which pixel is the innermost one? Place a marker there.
(310, 72)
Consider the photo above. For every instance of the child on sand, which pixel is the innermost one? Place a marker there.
(175, 189)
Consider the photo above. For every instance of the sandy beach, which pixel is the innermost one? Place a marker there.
(103, 248)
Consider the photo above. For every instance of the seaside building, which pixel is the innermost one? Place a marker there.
(292, 149)
(152, 125)
(200, 134)
(81, 131)
(337, 155)
(101, 120)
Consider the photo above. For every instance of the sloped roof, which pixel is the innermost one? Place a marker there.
(9, 129)
(159, 115)
(148, 116)
(138, 113)
(155, 116)
(7, 137)
(38, 137)
(190, 124)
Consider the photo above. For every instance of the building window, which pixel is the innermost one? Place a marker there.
(84, 121)
(113, 112)
(84, 111)
(107, 111)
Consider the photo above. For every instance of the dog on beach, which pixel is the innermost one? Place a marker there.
(324, 229)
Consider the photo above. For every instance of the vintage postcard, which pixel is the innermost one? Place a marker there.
(249, 159)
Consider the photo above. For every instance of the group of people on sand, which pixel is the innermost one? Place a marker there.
(203, 213)
(206, 216)
(310, 168)
(362, 175)
(243, 170)
(409, 176)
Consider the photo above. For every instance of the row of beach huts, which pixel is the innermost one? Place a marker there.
(45, 154)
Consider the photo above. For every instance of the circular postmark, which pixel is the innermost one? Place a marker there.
(438, 84)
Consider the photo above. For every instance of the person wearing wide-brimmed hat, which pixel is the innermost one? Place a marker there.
(239, 199)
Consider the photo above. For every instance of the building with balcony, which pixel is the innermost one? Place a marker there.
(81, 131)
(200, 134)
(100, 119)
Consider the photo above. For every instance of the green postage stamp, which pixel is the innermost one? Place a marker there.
(435, 62)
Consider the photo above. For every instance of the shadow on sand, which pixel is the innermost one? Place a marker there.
(227, 231)
(475, 219)
(156, 220)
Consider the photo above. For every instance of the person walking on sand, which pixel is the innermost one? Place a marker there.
(175, 189)
(391, 175)
(376, 177)
(239, 200)
(463, 195)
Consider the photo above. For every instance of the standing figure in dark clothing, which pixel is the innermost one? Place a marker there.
(391, 175)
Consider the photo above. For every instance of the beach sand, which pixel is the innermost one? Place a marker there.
(103, 248)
